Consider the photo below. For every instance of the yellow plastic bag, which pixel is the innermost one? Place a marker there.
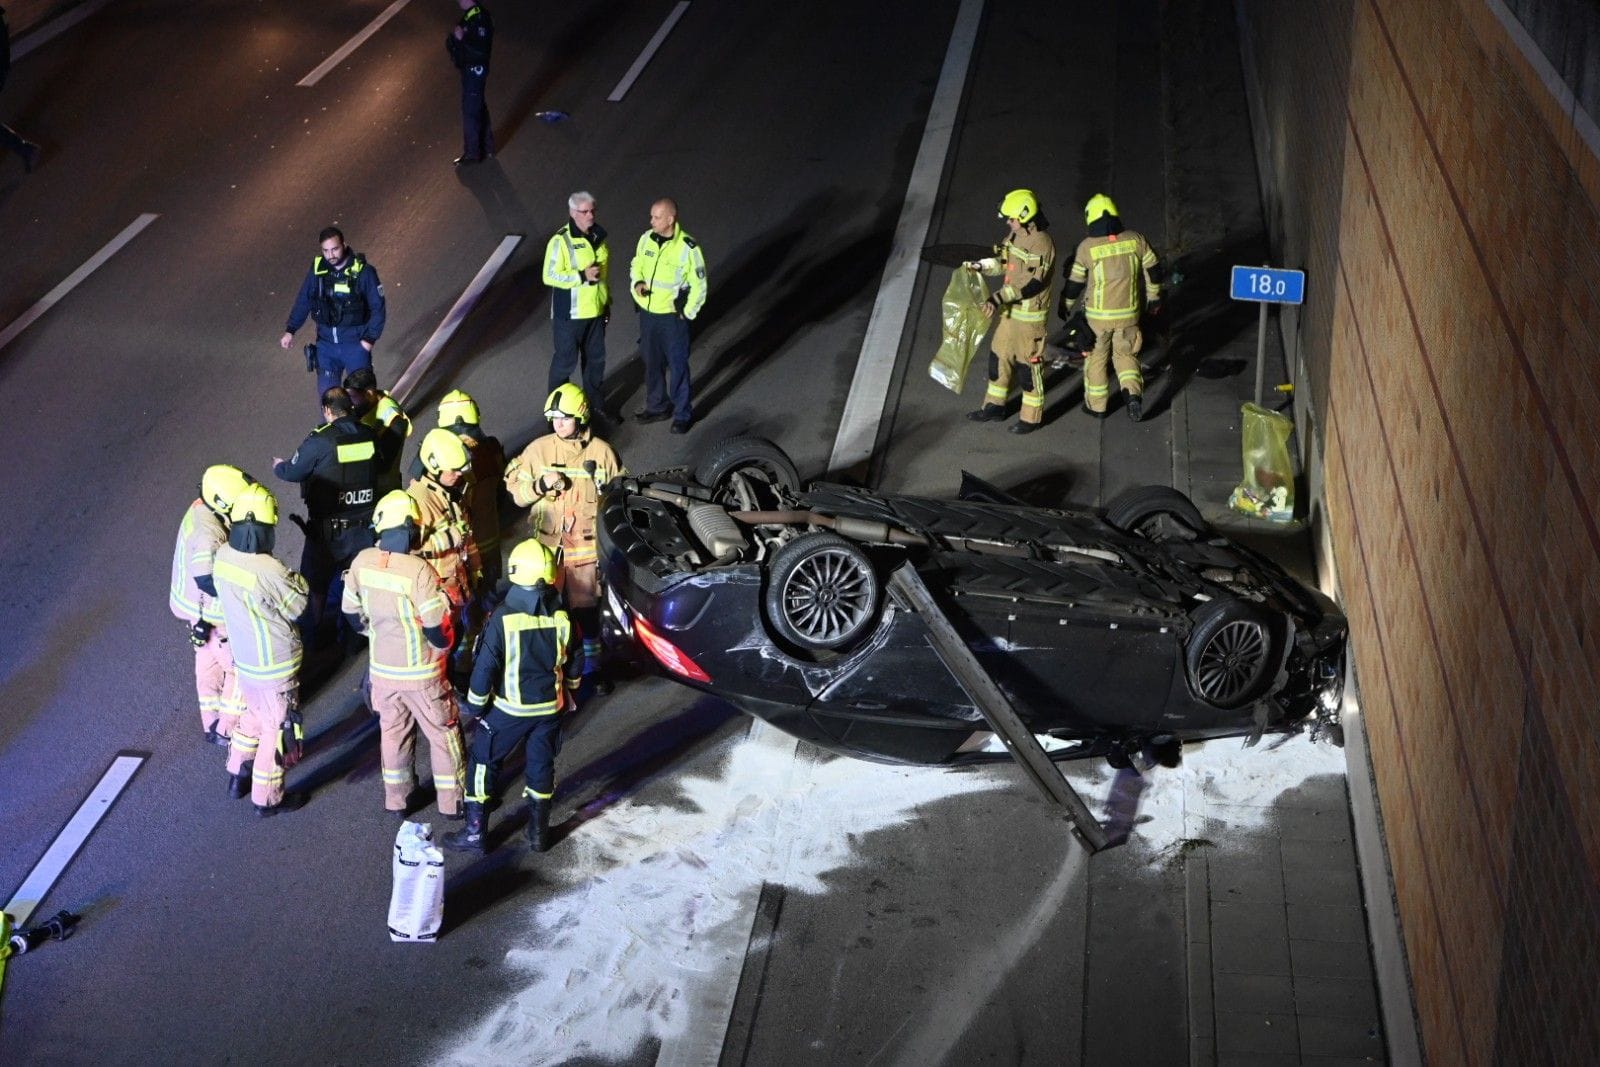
(964, 328)
(1267, 491)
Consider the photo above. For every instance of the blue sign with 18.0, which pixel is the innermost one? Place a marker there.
(1268, 285)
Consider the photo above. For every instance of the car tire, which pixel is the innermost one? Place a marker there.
(822, 593)
(1231, 652)
(1157, 513)
(766, 470)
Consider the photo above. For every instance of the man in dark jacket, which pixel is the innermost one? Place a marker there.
(469, 45)
(343, 296)
(528, 664)
(338, 466)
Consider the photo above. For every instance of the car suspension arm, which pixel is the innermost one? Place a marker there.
(997, 709)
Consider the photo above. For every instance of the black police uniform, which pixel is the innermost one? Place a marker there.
(346, 302)
(471, 57)
(338, 467)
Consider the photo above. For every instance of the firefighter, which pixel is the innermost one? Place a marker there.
(343, 296)
(1026, 259)
(458, 413)
(377, 409)
(560, 476)
(396, 600)
(261, 601)
(193, 598)
(1118, 275)
(525, 666)
(446, 539)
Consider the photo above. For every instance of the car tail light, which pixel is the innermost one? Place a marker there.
(668, 654)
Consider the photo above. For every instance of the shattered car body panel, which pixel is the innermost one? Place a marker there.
(1103, 634)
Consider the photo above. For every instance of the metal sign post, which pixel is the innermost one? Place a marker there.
(1266, 285)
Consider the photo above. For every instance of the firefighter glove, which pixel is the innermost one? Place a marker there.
(200, 633)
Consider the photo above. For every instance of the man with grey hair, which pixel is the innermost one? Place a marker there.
(577, 268)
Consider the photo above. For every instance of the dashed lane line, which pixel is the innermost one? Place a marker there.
(352, 44)
(53, 297)
(649, 53)
(452, 321)
(31, 893)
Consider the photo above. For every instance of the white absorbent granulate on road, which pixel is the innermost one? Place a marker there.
(610, 955)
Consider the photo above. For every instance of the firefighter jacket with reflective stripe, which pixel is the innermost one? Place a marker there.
(1028, 262)
(529, 658)
(199, 536)
(447, 542)
(1109, 271)
(564, 516)
(338, 466)
(345, 302)
(673, 269)
(398, 596)
(261, 599)
(570, 253)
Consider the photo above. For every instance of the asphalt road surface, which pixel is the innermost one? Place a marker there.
(712, 894)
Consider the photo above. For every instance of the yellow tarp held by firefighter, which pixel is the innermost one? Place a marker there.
(965, 326)
(1267, 491)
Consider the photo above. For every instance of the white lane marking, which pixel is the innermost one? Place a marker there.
(463, 305)
(869, 388)
(352, 44)
(649, 53)
(71, 838)
(54, 28)
(710, 1003)
(54, 296)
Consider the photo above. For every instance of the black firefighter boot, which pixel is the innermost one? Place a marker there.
(469, 838)
(538, 825)
(239, 784)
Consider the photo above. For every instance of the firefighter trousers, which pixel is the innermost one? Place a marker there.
(401, 712)
(1017, 347)
(497, 736)
(1120, 346)
(216, 685)
(256, 737)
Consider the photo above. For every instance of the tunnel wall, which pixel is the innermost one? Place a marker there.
(1434, 172)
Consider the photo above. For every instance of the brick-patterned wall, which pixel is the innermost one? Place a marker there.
(1448, 218)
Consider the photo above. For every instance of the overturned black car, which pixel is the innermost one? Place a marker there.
(1108, 631)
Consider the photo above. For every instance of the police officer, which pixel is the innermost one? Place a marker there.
(377, 409)
(393, 597)
(668, 276)
(1027, 260)
(577, 266)
(526, 666)
(469, 45)
(560, 476)
(343, 296)
(261, 601)
(337, 466)
(1111, 263)
(193, 598)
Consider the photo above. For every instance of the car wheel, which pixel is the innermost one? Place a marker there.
(1157, 513)
(747, 473)
(822, 593)
(1230, 653)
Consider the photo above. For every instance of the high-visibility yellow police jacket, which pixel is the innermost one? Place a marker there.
(673, 269)
(570, 253)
